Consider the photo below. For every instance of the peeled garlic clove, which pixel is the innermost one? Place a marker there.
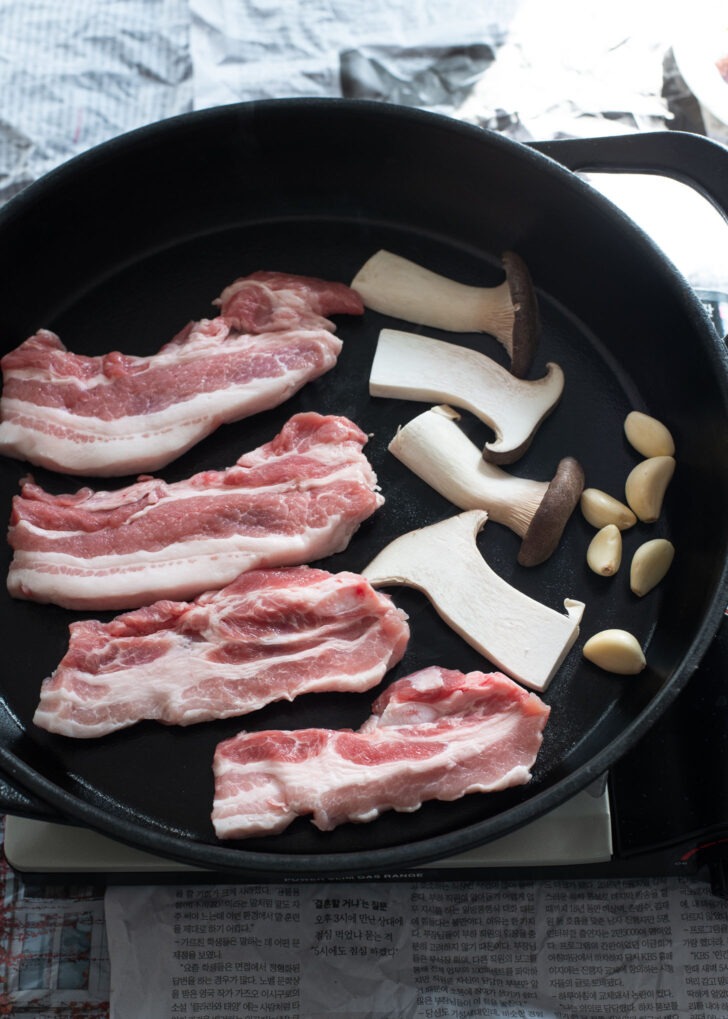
(649, 565)
(648, 435)
(604, 554)
(600, 509)
(646, 486)
(615, 651)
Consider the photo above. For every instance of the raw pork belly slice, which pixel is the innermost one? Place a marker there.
(437, 734)
(270, 635)
(294, 500)
(121, 414)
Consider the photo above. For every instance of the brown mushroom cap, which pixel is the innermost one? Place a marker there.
(550, 519)
(527, 321)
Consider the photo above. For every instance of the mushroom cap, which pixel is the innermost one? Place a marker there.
(550, 519)
(527, 320)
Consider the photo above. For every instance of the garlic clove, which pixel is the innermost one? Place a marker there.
(600, 509)
(604, 554)
(646, 486)
(650, 564)
(648, 435)
(615, 651)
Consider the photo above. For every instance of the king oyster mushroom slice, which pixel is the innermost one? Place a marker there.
(396, 286)
(437, 450)
(411, 367)
(521, 636)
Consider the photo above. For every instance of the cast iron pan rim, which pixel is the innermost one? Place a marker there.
(541, 162)
(222, 857)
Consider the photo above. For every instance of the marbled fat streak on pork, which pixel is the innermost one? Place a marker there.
(296, 499)
(270, 635)
(120, 414)
(436, 734)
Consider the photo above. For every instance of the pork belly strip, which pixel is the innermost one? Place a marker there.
(270, 635)
(437, 734)
(294, 500)
(119, 414)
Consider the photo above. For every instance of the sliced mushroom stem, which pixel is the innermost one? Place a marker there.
(437, 450)
(509, 311)
(411, 367)
(521, 636)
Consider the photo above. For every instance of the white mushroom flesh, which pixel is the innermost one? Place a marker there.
(395, 286)
(437, 450)
(519, 635)
(411, 367)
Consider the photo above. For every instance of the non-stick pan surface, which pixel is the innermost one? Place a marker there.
(121, 247)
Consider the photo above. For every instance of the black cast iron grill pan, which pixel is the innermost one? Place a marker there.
(120, 247)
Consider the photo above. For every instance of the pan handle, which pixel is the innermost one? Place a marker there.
(692, 159)
(16, 801)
